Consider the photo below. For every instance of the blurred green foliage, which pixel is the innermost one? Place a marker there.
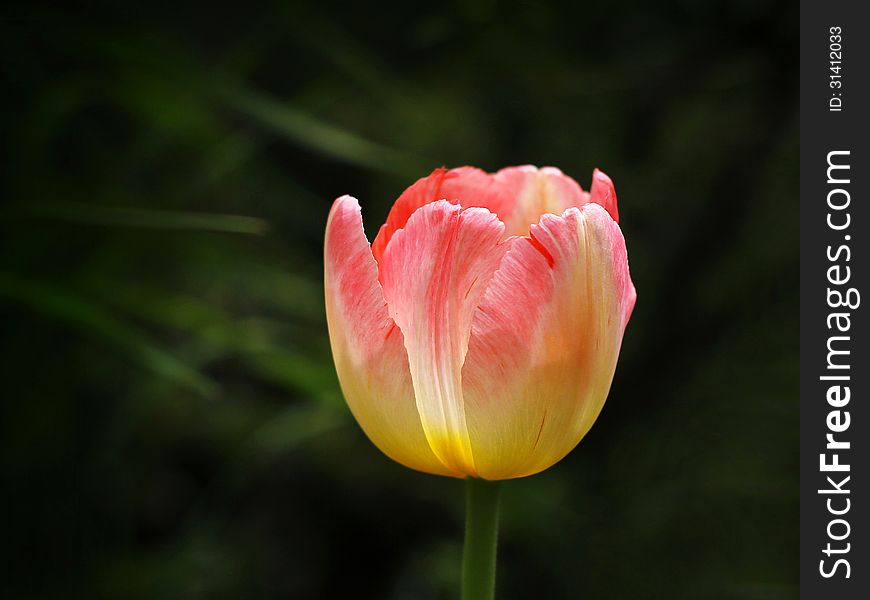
(171, 423)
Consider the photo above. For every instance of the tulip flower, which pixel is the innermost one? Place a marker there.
(478, 334)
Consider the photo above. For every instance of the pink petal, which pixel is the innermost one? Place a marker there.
(434, 272)
(535, 192)
(604, 193)
(545, 341)
(466, 186)
(518, 195)
(368, 348)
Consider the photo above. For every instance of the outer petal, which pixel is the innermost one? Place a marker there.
(467, 186)
(367, 346)
(545, 341)
(434, 273)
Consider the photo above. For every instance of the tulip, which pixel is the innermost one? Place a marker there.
(478, 335)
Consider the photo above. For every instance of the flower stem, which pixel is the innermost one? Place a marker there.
(481, 538)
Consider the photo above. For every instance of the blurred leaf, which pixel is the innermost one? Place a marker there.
(295, 426)
(89, 319)
(117, 216)
(324, 137)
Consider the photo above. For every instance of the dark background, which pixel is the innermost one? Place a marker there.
(171, 422)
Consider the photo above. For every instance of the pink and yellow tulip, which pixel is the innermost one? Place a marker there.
(479, 333)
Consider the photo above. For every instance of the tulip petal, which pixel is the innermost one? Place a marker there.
(434, 273)
(604, 193)
(535, 192)
(466, 186)
(545, 341)
(367, 346)
(517, 195)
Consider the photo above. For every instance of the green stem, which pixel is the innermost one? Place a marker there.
(481, 538)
